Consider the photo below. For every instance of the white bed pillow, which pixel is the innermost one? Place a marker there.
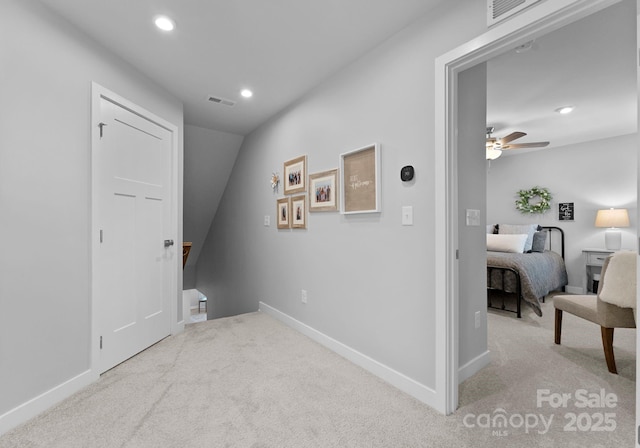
(506, 243)
(528, 229)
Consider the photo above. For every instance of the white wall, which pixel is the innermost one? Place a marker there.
(209, 156)
(192, 298)
(592, 175)
(45, 194)
(369, 279)
(472, 259)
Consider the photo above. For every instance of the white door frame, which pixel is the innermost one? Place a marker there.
(539, 20)
(97, 94)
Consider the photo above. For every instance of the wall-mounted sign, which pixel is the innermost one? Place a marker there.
(565, 211)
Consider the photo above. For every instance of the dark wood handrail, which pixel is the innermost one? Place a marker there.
(186, 248)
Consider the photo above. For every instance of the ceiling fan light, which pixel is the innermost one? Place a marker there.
(493, 153)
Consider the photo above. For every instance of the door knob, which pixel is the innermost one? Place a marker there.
(168, 243)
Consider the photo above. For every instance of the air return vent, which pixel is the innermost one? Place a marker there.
(498, 10)
(220, 100)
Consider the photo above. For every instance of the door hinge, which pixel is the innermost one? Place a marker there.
(101, 125)
(101, 235)
(100, 342)
(457, 254)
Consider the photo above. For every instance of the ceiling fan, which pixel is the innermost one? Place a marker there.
(495, 146)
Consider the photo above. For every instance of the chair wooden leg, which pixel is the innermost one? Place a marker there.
(607, 343)
(558, 334)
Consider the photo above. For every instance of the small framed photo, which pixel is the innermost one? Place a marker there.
(283, 213)
(323, 191)
(360, 170)
(566, 211)
(299, 211)
(295, 175)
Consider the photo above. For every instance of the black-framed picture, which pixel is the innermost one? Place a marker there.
(566, 211)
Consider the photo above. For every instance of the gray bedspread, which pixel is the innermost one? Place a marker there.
(540, 273)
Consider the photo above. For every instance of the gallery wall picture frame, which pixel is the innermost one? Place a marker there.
(566, 211)
(360, 171)
(295, 175)
(299, 211)
(324, 191)
(283, 213)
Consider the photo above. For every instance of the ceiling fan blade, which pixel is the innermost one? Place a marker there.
(526, 145)
(511, 137)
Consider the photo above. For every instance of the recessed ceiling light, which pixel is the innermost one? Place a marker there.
(565, 110)
(164, 23)
(246, 93)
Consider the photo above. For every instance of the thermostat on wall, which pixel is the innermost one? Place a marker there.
(406, 173)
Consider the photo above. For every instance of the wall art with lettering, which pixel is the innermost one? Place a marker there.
(566, 211)
(360, 171)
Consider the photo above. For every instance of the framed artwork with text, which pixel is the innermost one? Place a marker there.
(360, 170)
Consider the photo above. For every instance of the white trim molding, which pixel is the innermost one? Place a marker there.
(410, 386)
(44, 401)
(474, 366)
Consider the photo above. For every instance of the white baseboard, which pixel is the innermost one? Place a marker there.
(44, 401)
(417, 390)
(474, 366)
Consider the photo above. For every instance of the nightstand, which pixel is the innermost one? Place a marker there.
(593, 261)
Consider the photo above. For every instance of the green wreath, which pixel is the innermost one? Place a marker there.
(523, 205)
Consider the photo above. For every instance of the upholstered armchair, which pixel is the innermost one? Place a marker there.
(608, 315)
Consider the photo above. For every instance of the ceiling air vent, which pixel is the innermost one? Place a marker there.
(498, 10)
(223, 101)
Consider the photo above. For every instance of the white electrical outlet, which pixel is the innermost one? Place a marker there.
(267, 220)
(477, 319)
(303, 296)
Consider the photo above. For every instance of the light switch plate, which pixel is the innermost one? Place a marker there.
(407, 215)
(473, 217)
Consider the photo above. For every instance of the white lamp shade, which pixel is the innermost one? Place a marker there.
(612, 217)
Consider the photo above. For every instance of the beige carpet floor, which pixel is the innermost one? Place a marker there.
(249, 381)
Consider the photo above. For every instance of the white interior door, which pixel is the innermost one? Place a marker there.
(133, 213)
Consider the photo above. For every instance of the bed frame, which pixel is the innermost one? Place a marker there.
(551, 243)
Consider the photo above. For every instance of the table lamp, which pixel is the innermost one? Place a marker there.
(612, 218)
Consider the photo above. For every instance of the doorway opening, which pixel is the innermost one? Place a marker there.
(536, 22)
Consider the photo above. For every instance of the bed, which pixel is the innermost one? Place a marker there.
(528, 276)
